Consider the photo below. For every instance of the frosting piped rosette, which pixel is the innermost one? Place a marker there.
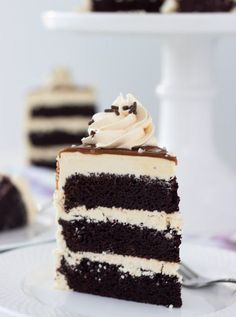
(126, 124)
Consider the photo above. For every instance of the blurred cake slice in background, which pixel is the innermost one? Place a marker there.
(57, 116)
(17, 207)
(162, 6)
(205, 5)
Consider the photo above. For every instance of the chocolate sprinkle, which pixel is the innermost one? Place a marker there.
(126, 108)
(115, 107)
(133, 108)
(130, 109)
(108, 110)
(91, 122)
(92, 133)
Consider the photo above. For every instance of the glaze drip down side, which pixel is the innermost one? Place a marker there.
(149, 151)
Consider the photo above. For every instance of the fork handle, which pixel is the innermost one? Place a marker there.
(224, 280)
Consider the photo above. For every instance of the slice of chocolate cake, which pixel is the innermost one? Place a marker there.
(57, 116)
(163, 6)
(118, 219)
(17, 208)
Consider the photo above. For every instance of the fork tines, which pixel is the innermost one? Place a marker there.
(186, 272)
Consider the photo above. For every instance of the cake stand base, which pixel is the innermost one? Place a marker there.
(187, 93)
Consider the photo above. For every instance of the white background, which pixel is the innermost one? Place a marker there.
(113, 64)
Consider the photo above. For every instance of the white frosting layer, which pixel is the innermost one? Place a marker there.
(26, 196)
(169, 6)
(60, 77)
(70, 125)
(133, 265)
(56, 98)
(75, 162)
(136, 267)
(60, 280)
(86, 6)
(126, 128)
(43, 152)
(152, 220)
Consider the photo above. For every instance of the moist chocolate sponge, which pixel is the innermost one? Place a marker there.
(13, 213)
(107, 280)
(44, 163)
(66, 110)
(56, 137)
(124, 239)
(121, 191)
(206, 5)
(127, 5)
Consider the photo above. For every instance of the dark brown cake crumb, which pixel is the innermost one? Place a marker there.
(127, 5)
(56, 137)
(110, 190)
(108, 280)
(119, 238)
(206, 5)
(13, 213)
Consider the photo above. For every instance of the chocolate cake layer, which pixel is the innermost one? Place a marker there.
(148, 151)
(128, 191)
(107, 280)
(55, 138)
(44, 163)
(13, 212)
(66, 110)
(127, 5)
(206, 5)
(118, 238)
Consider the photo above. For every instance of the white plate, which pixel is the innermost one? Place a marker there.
(41, 230)
(26, 288)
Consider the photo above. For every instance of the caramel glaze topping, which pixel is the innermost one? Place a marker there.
(149, 151)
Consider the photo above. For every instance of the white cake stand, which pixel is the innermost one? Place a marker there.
(187, 92)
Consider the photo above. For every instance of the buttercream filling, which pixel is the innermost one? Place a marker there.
(158, 220)
(43, 152)
(133, 265)
(71, 125)
(72, 163)
(60, 97)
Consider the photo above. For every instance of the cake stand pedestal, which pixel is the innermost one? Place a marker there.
(187, 93)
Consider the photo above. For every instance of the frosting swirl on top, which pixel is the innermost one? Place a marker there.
(127, 124)
(60, 77)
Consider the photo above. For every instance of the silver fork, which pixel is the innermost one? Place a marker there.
(193, 280)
